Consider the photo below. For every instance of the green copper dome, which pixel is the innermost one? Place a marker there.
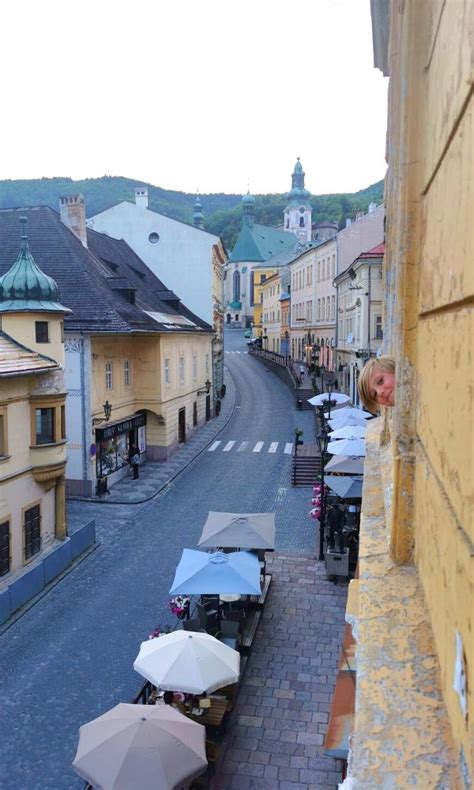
(25, 287)
(298, 193)
(248, 200)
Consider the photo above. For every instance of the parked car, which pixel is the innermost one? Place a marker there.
(248, 333)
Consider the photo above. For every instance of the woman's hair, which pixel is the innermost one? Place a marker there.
(383, 363)
(168, 697)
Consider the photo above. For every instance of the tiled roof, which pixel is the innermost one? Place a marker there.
(16, 359)
(85, 276)
(257, 243)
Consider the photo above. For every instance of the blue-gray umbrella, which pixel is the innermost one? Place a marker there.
(201, 573)
(345, 487)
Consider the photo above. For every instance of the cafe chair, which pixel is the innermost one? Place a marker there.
(209, 620)
(193, 625)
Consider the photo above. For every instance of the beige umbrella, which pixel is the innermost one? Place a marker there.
(140, 746)
(239, 531)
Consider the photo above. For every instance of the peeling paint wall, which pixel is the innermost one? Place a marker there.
(429, 280)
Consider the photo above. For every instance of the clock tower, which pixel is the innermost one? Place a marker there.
(297, 217)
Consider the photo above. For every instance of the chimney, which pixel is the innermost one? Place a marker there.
(348, 222)
(141, 197)
(359, 215)
(372, 207)
(72, 211)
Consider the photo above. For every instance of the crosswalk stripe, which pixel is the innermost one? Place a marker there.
(243, 446)
(273, 447)
(257, 447)
(228, 447)
(213, 446)
(289, 448)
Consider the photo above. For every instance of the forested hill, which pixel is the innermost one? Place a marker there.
(222, 213)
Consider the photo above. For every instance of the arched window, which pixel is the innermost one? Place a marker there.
(236, 286)
(301, 222)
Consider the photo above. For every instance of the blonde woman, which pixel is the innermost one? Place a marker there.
(377, 383)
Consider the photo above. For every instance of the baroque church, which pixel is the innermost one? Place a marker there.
(275, 247)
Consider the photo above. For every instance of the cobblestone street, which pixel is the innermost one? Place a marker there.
(69, 658)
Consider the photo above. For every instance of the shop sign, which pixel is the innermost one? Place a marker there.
(121, 427)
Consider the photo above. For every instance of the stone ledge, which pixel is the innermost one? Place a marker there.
(402, 737)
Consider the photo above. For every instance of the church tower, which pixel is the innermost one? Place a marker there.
(297, 217)
(198, 216)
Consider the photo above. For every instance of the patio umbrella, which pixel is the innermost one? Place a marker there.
(349, 419)
(337, 414)
(345, 487)
(138, 746)
(348, 432)
(334, 397)
(345, 464)
(239, 530)
(352, 446)
(187, 661)
(212, 574)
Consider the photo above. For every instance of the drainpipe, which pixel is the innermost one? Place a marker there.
(83, 415)
(368, 309)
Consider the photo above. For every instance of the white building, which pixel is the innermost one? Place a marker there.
(181, 255)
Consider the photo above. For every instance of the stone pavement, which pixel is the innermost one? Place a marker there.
(276, 733)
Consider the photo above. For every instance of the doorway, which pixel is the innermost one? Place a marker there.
(182, 426)
(208, 408)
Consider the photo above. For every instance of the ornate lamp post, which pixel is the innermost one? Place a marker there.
(323, 439)
(107, 407)
(287, 342)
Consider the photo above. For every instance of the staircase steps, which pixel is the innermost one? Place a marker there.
(305, 470)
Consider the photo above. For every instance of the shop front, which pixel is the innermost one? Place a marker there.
(113, 443)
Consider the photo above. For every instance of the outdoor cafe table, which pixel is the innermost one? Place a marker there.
(211, 716)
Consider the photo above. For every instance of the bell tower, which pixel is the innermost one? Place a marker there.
(297, 216)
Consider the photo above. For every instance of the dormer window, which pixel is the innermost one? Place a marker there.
(42, 331)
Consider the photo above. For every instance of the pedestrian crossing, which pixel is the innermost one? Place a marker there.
(236, 352)
(270, 448)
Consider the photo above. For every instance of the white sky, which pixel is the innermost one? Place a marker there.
(211, 94)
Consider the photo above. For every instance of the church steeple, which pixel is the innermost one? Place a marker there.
(198, 216)
(248, 207)
(297, 216)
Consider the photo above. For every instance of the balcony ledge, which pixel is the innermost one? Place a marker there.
(401, 733)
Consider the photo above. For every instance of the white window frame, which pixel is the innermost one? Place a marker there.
(127, 380)
(109, 375)
(167, 371)
(182, 372)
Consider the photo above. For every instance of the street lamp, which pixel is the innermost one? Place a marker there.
(107, 407)
(206, 391)
(287, 341)
(322, 439)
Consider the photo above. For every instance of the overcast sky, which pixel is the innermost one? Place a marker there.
(216, 95)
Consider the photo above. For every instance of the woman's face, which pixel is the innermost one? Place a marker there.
(382, 386)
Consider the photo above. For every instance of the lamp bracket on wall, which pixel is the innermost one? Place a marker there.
(206, 391)
(107, 407)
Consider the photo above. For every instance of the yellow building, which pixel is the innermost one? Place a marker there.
(260, 274)
(271, 312)
(413, 614)
(32, 423)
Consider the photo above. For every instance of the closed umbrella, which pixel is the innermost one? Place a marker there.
(348, 432)
(352, 446)
(186, 661)
(143, 747)
(239, 530)
(349, 419)
(337, 414)
(334, 397)
(199, 572)
(345, 487)
(345, 465)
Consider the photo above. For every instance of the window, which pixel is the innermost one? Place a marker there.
(32, 531)
(42, 331)
(109, 383)
(301, 222)
(378, 327)
(207, 365)
(4, 548)
(181, 370)
(195, 413)
(236, 285)
(167, 372)
(44, 426)
(333, 265)
(63, 422)
(3, 432)
(154, 238)
(333, 307)
(318, 312)
(194, 367)
(126, 373)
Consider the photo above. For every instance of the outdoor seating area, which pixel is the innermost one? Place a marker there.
(192, 672)
(337, 494)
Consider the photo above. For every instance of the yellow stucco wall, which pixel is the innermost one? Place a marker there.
(21, 327)
(429, 276)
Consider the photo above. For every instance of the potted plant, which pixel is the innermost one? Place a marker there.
(298, 436)
(180, 606)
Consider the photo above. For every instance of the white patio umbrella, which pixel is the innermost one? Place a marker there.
(337, 414)
(349, 419)
(334, 397)
(345, 465)
(353, 447)
(239, 530)
(199, 572)
(345, 487)
(348, 432)
(143, 747)
(187, 661)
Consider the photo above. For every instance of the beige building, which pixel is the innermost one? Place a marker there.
(32, 423)
(360, 333)
(325, 295)
(302, 313)
(412, 607)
